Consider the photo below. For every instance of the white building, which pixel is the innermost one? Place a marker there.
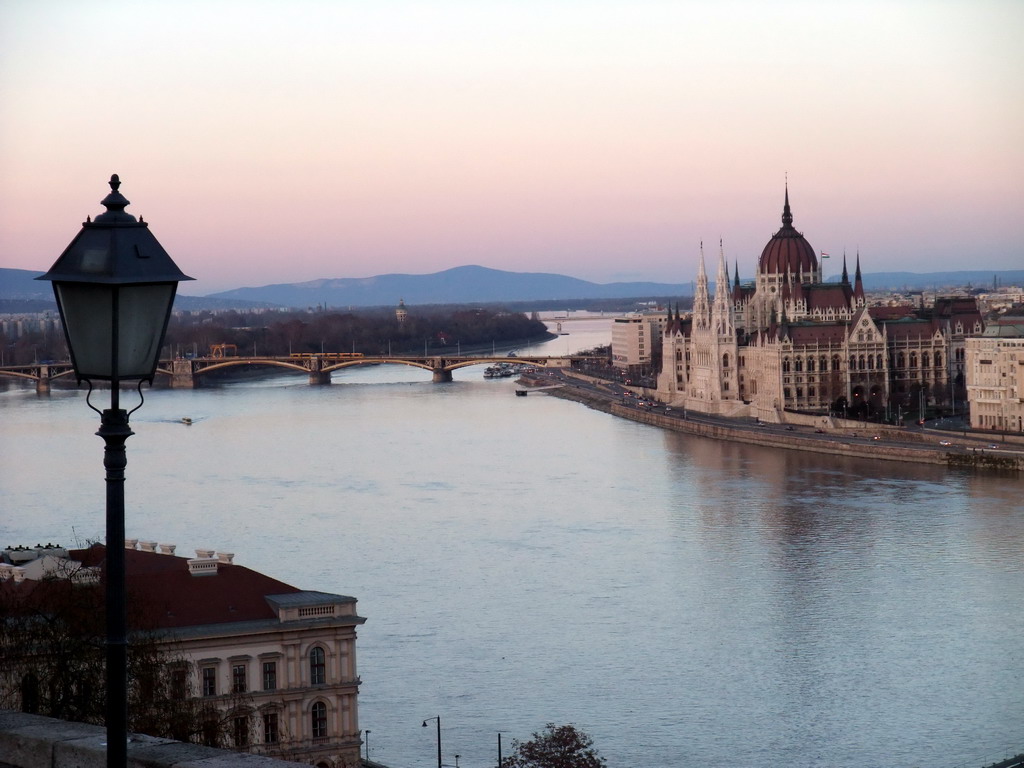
(634, 339)
(995, 376)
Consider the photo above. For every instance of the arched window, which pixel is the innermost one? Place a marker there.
(725, 360)
(823, 364)
(913, 359)
(785, 365)
(318, 720)
(799, 364)
(925, 359)
(853, 362)
(860, 363)
(938, 359)
(878, 362)
(810, 365)
(871, 362)
(317, 666)
(901, 361)
(835, 362)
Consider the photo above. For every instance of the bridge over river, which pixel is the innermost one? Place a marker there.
(187, 373)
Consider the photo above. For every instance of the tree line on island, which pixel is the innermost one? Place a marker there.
(370, 332)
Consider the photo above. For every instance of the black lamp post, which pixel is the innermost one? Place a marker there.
(438, 718)
(115, 286)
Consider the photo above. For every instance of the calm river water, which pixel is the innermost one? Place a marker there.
(526, 560)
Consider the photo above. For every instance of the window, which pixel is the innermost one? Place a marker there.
(241, 731)
(238, 679)
(317, 667)
(271, 734)
(269, 675)
(179, 683)
(318, 720)
(209, 681)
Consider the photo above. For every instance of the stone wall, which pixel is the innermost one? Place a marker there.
(32, 741)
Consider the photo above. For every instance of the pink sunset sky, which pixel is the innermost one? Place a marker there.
(275, 142)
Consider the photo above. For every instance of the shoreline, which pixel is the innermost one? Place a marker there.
(863, 441)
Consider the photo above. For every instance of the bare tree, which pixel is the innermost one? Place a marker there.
(557, 746)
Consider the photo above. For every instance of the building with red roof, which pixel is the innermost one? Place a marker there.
(276, 661)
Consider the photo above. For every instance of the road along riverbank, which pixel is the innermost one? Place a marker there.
(866, 441)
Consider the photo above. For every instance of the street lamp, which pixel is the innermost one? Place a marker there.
(115, 287)
(438, 718)
(367, 741)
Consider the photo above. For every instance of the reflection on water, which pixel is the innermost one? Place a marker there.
(526, 560)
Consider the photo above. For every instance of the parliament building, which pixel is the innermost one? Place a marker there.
(790, 341)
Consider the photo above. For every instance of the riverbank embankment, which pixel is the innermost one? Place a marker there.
(860, 441)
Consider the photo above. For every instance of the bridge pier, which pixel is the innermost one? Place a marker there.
(43, 382)
(317, 377)
(182, 374)
(441, 376)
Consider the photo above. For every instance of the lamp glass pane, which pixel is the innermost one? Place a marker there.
(143, 317)
(87, 310)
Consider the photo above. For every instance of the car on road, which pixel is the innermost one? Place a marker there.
(944, 442)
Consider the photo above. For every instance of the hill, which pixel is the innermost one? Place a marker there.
(460, 285)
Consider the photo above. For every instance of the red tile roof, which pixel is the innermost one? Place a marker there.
(170, 597)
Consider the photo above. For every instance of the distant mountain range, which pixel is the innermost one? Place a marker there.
(469, 285)
(461, 285)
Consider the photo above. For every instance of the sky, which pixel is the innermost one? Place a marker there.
(270, 142)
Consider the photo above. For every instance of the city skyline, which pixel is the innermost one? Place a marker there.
(603, 142)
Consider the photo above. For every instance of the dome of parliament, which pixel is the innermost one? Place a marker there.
(788, 250)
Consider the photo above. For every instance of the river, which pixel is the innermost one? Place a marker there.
(527, 560)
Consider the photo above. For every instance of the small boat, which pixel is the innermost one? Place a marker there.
(520, 393)
(186, 420)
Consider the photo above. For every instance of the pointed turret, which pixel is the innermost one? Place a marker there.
(858, 284)
(701, 304)
(722, 309)
(846, 274)
(787, 215)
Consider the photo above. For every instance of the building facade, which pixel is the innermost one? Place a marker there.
(790, 341)
(276, 663)
(995, 376)
(635, 339)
